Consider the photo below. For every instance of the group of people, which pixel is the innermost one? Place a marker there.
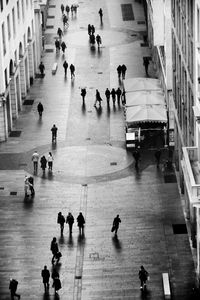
(43, 161)
(114, 94)
(59, 45)
(137, 157)
(121, 70)
(92, 38)
(73, 8)
(71, 67)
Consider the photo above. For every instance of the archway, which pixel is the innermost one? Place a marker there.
(20, 50)
(11, 68)
(29, 37)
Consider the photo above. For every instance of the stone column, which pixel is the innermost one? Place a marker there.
(3, 121)
(13, 97)
(30, 60)
(22, 78)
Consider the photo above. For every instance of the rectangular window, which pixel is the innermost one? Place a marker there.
(1, 3)
(13, 21)
(18, 12)
(23, 9)
(24, 41)
(6, 79)
(3, 39)
(16, 57)
(8, 27)
(198, 25)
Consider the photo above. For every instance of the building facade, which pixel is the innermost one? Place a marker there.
(20, 51)
(176, 54)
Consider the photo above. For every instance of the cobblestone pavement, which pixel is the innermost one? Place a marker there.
(92, 173)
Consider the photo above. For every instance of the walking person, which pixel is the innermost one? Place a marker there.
(72, 70)
(50, 161)
(70, 221)
(54, 249)
(124, 68)
(146, 65)
(81, 222)
(136, 155)
(83, 94)
(89, 29)
(54, 130)
(113, 94)
(92, 29)
(45, 276)
(118, 93)
(115, 225)
(60, 33)
(31, 185)
(40, 109)
(43, 163)
(57, 45)
(13, 289)
(61, 221)
(157, 156)
(119, 71)
(41, 68)
(26, 186)
(98, 99)
(107, 94)
(67, 8)
(63, 47)
(35, 159)
(56, 280)
(62, 8)
(65, 66)
(101, 15)
(98, 39)
(143, 276)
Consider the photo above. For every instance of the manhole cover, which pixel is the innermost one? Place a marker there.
(15, 133)
(13, 193)
(28, 102)
(179, 228)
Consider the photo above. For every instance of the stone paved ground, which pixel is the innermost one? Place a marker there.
(92, 173)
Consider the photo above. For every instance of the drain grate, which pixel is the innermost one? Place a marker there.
(50, 17)
(113, 163)
(88, 139)
(22, 165)
(170, 178)
(179, 228)
(13, 193)
(78, 277)
(28, 102)
(52, 6)
(49, 27)
(99, 72)
(84, 184)
(144, 45)
(15, 133)
(127, 12)
(141, 22)
(1, 188)
(49, 50)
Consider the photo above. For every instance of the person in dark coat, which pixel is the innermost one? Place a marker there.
(67, 8)
(61, 221)
(107, 93)
(13, 289)
(63, 46)
(101, 15)
(119, 70)
(41, 68)
(92, 39)
(40, 109)
(54, 130)
(113, 93)
(92, 29)
(124, 68)
(31, 185)
(83, 94)
(81, 222)
(54, 249)
(72, 70)
(59, 32)
(89, 29)
(118, 93)
(146, 65)
(136, 155)
(43, 163)
(143, 276)
(70, 221)
(98, 39)
(62, 8)
(98, 98)
(157, 156)
(56, 280)
(57, 45)
(116, 222)
(45, 275)
(65, 66)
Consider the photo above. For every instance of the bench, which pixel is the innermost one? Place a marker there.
(166, 285)
(54, 68)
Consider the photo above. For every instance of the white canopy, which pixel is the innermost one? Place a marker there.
(145, 98)
(146, 113)
(141, 83)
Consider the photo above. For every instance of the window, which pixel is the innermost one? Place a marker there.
(27, 4)
(1, 3)
(24, 40)
(15, 58)
(7, 1)
(13, 21)
(6, 79)
(3, 39)
(8, 27)
(198, 25)
(18, 12)
(23, 9)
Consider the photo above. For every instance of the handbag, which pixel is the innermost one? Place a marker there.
(113, 228)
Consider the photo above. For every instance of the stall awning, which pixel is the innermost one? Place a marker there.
(141, 84)
(145, 113)
(145, 98)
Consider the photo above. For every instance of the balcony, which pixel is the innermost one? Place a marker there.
(191, 171)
